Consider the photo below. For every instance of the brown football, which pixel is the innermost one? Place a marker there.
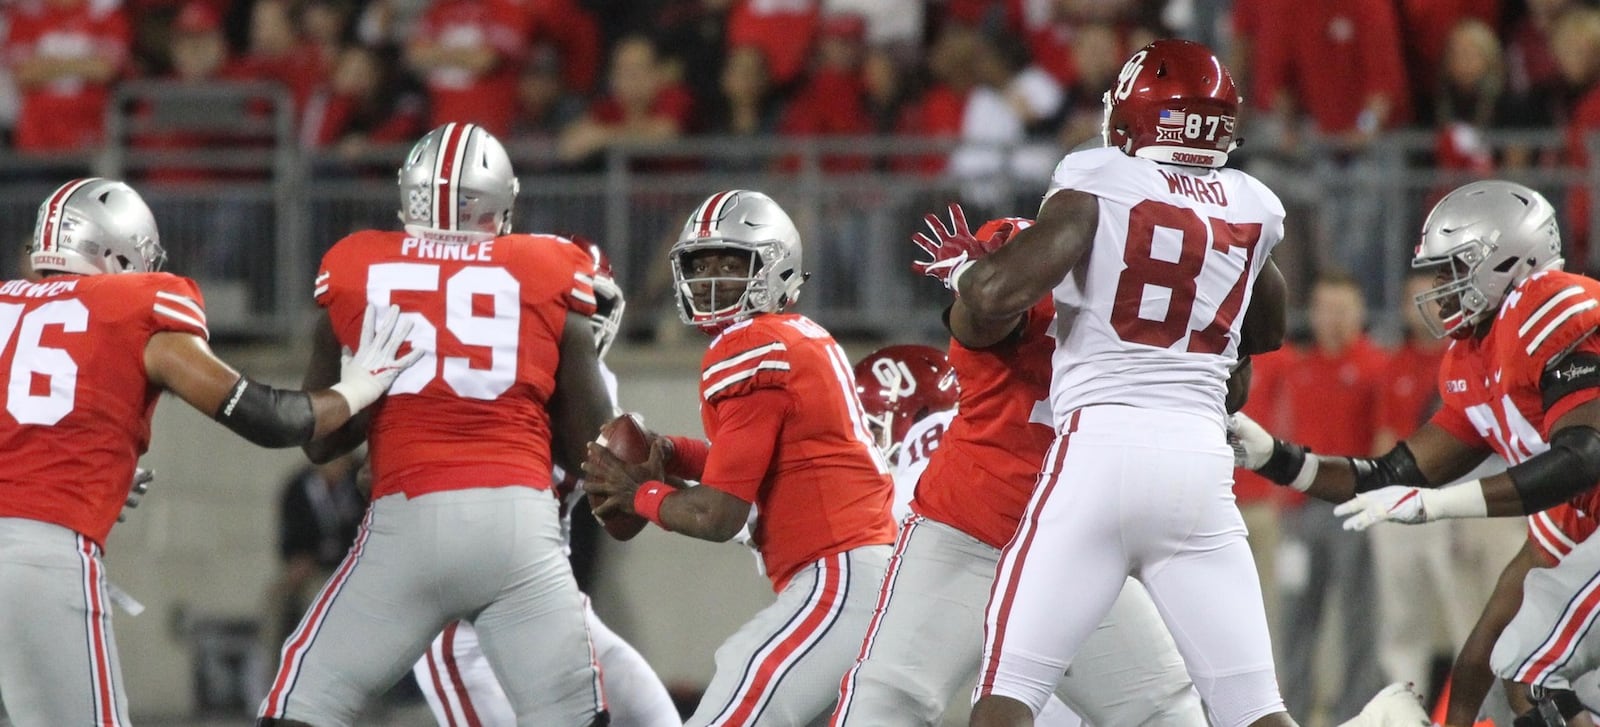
(626, 438)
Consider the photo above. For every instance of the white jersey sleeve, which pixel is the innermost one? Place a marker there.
(1153, 319)
(911, 457)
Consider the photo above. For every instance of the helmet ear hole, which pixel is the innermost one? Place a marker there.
(1506, 265)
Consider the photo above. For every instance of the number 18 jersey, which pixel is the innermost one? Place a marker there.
(489, 315)
(1153, 318)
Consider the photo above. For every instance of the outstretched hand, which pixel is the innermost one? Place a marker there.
(951, 248)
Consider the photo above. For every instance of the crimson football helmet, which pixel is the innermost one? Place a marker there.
(899, 385)
(1175, 102)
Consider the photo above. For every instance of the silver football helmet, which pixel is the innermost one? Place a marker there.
(749, 222)
(92, 226)
(608, 301)
(1490, 236)
(457, 179)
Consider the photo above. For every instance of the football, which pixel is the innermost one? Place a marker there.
(625, 436)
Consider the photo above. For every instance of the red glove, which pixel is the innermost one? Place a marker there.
(953, 248)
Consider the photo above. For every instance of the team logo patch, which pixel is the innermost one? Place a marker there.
(1169, 127)
(418, 203)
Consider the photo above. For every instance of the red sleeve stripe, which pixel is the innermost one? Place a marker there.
(1556, 322)
(740, 358)
(1549, 536)
(735, 378)
(1565, 293)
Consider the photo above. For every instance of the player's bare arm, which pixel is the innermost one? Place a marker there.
(321, 372)
(1430, 457)
(1266, 320)
(699, 512)
(184, 364)
(994, 292)
(1471, 676)
(580, 404)
(1238, 385)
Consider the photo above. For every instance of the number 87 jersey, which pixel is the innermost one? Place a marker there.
(1153, 318)
(489, 314)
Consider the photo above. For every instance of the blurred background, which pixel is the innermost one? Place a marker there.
(261, 131)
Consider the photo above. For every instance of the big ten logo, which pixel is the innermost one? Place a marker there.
(1177, 127)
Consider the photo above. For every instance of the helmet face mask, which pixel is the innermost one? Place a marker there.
(737, 222)
(1484, 239)
(93, 226)
(608, 302)
(457, 185)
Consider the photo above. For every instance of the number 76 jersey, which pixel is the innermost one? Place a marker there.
(1153, 319)
(489, 316)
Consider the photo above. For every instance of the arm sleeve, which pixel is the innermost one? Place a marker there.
(1571, 380)
(750, 425)
(688, 457)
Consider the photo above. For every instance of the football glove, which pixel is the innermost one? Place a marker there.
(952, 249)
(367, 373)
(141, 484)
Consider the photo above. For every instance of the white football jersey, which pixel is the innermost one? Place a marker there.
(1153, 319)
(911, 458)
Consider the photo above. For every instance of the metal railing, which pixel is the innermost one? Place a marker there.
(252, 223)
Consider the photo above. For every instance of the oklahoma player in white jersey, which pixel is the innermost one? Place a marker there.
(462, 524)
(1154, 253)
(1522, 379)
(455, 676)
(89, 347)
(788, 444)
(908, 393)
(966, 507)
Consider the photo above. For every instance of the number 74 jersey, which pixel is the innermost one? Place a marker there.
(1153, 319)
(489, 316)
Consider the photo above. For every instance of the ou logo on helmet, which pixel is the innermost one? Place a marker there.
(1130, 71)
(895, 377)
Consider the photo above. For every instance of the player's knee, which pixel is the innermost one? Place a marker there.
(280, 722)
(1551, 709)
(1241, 699)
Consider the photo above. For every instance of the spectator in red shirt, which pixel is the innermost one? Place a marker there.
(573, 32)
(782, 29)
(1330, 397)
(1337, 63)
(278, 53)
(746, 109)
(469, 53)
(832, 102)
(938, 112)
(645, 104)
(1576, 42)
(324, 25)
(363, 104)
(1472, 98)
(63, 56)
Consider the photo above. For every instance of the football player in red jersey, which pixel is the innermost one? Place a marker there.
(789, 447)
(462, 523)
(1521, 379)
(89, 347)
(968, 502)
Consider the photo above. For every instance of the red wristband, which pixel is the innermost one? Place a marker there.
(647, 501)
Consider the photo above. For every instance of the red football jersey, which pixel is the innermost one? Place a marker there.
(489, 315)
(827, 490)
(77, 403)
(68, 112)
(1490, 386)
(982, 475)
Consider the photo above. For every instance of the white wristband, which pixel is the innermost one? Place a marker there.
(955, 276)
(358, 394)
(1308, 473)
(1463, 500)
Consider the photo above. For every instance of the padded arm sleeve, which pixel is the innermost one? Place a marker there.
(1570, 466)
(267, 416)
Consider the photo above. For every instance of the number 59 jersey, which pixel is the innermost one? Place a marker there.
(1153, 319)
(489, 316)
(77, 403)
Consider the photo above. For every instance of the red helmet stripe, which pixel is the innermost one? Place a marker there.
(710, 213)
(447, 175)
(49, 237)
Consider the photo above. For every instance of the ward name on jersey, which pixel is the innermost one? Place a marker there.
(490, 317)
(1153, 320)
